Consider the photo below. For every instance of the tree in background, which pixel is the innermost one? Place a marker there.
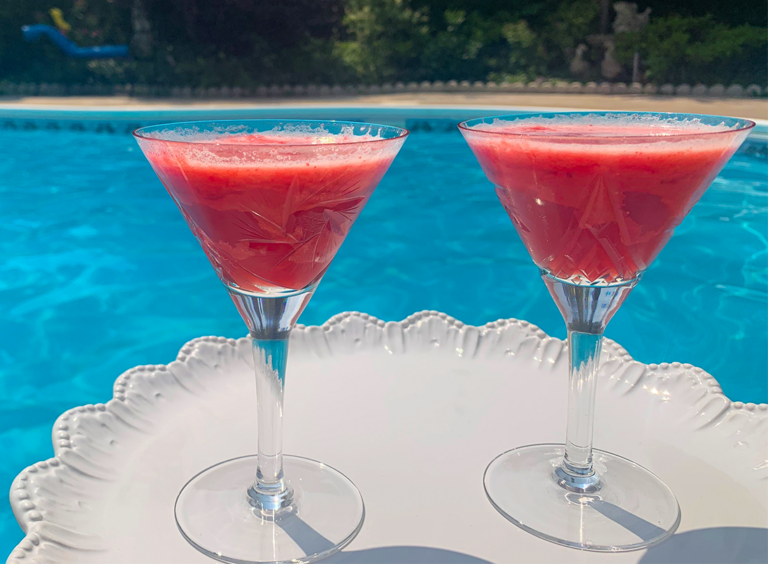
(678, 49)
(574, 24)
(141, 41)
(384, 39)
(261, 42)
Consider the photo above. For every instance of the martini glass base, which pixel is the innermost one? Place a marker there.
(631, 510)
(214, 515)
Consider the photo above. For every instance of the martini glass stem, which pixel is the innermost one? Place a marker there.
(270, 356)
(587, 309)
(270, 319)
(584, 350)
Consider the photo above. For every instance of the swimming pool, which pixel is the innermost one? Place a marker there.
(100, 273)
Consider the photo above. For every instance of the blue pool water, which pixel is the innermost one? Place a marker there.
(99, 273)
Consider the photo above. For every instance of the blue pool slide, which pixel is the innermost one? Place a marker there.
(32, 32)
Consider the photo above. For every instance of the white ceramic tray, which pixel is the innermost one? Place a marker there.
(412, 412)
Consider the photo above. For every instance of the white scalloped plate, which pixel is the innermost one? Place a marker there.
(412, 412)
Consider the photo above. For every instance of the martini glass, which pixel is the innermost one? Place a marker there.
(270, 203)
(594, 197)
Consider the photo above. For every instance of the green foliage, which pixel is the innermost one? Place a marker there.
(392, 40)
(261, 42)
(385, 39)
(572, 23)
(527, 56)
(96, 22)
(698, 49)
(463, 45)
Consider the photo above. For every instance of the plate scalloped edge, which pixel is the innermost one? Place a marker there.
(136, 392)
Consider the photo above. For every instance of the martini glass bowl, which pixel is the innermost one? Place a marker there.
(594, 196)
(270, 203)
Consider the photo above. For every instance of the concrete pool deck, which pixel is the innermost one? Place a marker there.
(752, 108)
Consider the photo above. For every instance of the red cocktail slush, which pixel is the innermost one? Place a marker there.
(596, 203)
(270, 211)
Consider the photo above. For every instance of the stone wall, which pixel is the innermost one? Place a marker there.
(317, 91)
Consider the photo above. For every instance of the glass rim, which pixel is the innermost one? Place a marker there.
(139, 133)
(742, 125)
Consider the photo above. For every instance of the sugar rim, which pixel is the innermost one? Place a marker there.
(740, 125)
(140, 133)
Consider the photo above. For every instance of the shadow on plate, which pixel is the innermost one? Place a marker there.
(719, 545)
(312, 542)
(403, 555)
